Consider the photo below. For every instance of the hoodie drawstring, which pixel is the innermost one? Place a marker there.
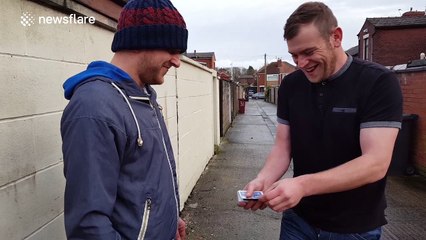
(140, 141)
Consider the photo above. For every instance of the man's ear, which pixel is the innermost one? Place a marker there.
(336, 37)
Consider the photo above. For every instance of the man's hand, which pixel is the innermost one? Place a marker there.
(180, 232)
(254, 185)
(283, 194)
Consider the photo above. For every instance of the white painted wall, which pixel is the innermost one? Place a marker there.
(190, 101)
(34, 62)
(198, 122)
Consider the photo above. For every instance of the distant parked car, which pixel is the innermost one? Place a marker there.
(250, 92)
(258, 95)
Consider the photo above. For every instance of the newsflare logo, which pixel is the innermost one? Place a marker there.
(27, 19)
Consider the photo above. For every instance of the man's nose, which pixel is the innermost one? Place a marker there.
(175, 60)
(302, 62)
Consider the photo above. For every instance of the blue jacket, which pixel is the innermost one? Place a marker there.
(118, 161)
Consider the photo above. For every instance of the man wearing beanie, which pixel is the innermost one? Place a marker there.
(118, 161)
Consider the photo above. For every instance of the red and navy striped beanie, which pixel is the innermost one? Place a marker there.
(150, 24)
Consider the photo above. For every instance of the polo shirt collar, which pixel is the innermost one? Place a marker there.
(341, 70)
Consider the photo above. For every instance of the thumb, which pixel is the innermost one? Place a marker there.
(250, 188)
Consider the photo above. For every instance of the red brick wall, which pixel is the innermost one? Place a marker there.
(261, 80)
(398, 46)
(285, 68)
(413, 86)
(209, 62)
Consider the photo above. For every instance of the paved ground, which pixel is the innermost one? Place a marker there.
(211, 211)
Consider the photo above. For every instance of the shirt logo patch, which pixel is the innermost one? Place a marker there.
(344, 110)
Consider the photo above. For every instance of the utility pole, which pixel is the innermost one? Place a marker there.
(232, 73)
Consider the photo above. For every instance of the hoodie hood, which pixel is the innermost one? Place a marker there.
(95, 69)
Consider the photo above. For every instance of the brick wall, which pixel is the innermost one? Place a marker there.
(210, 63)
(261, 80)
(392, 47)
(413, 84)
(286, 68)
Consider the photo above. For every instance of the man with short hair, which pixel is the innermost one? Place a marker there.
(338, 118)
(118, 160)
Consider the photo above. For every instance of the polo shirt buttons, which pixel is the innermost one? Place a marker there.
(323, 83)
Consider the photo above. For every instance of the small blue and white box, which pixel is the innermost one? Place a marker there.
(242, 196)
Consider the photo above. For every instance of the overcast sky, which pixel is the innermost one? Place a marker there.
(240, 32)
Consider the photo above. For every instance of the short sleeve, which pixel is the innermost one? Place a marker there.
(283, 103)
(383, 107)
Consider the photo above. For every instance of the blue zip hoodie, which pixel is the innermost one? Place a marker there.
(95, 69)
(118, 162)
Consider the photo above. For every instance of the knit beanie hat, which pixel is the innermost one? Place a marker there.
(150, 24)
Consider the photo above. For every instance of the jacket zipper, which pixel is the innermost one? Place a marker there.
(168, 160)
(145, 219)
(165, 149)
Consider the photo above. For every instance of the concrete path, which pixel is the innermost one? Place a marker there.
(211, 211)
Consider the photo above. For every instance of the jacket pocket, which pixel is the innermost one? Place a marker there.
(145, 219)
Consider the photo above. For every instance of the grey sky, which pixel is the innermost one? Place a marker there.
(240, 32)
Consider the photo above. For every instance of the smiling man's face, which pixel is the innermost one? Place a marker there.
(154, 64)
(313, 54)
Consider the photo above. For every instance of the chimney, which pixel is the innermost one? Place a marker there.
(412, 13)
(195, 53)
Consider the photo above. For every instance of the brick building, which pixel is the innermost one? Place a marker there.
(275, 72)
(207, 59)
(413, 85)
(247, 80)
(393, 40)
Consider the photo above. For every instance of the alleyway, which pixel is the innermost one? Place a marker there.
(211, 212)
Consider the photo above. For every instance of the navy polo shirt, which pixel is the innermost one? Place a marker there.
(325, 120)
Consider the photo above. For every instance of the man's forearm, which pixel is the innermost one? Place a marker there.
(275, 167)
(350, 175)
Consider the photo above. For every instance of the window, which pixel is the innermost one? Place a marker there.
(365, 52)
